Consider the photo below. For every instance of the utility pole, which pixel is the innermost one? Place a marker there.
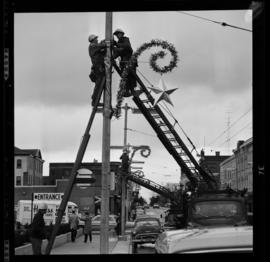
(106, 140)
(124, 180)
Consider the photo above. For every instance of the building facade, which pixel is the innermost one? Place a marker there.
(237, 171)
(28, 167)
(228, 173)
(211, 163)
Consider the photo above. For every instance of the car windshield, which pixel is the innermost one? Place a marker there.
(98, 218)
(147, 223)
(216, 209)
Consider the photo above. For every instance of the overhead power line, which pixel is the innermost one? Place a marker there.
(137, 131)
(213, 21)
(235, 134)
(229, 127)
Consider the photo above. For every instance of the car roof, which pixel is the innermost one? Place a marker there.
(146, 218)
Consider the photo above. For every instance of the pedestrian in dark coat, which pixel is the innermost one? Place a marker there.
(73, 222)
(37, 229)
(97, 53)
(118, 225)
(122, 48)
(87, 231)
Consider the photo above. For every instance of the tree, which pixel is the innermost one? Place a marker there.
(141, 201)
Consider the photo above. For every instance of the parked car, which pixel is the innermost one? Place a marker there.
(97, 219)
(156, 206)
(206, 240)
(146, 230)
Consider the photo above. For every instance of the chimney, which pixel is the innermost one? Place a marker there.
(202, 153)
(239, 143)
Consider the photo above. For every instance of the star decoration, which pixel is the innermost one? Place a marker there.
(164, 93)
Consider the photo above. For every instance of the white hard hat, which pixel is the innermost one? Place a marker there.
(118, 31)
(92, 37)
(42, 206)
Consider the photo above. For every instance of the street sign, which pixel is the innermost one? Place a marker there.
(48, 196)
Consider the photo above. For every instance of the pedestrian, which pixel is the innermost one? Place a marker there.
(73, 223)
(123, 50)
(97, 53)
(87, 231)
(37, 229)
(118, 225)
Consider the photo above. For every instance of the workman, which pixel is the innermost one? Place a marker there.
(97, 53)
(122, 49)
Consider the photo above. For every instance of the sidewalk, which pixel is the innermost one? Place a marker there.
(79, 247)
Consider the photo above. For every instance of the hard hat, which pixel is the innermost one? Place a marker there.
(118, 31)
(42, 206)
(92, 37)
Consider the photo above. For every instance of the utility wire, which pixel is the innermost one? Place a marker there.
(221, 23)
(235, 134)
(140, 132)
(229, 127)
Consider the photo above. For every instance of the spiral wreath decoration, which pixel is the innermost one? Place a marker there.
(153, 63)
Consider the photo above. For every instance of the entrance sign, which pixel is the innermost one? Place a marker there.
(48, 196)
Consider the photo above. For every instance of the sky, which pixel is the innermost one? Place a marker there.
(213, 77)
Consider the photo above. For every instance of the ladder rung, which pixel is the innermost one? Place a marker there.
(167, 132)
(152, 110)
(161, 124)
(145, 100)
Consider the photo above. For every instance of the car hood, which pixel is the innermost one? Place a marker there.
(209, 238)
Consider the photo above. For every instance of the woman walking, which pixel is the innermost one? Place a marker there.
(87, 227)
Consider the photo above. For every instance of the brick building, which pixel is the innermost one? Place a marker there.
(86, 197)
(211, 163)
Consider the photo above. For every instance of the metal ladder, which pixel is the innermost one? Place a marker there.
(147, 183)
(168, 136)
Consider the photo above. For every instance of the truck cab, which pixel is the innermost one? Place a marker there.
(218, 208)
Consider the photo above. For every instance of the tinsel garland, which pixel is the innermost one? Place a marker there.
(153, 59)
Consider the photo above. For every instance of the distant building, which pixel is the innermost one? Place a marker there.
(228, 173)
(28, 167)
(172, 186)
(236, 171)
(211, 163)
(88, 198)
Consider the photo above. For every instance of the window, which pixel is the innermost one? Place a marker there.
(18, 181)
(19, 163)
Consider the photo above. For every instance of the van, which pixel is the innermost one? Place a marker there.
(25, 210)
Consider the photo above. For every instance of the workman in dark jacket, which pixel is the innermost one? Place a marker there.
(97, 53)
(37, 229)
(123, 49)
